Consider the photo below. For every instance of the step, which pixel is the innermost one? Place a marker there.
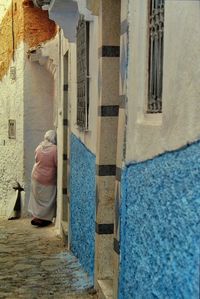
(64, 226)
(105, 288)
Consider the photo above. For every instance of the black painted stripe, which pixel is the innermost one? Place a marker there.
(106, 170)
(116, 246)
(118, 174)
(108, 110)
(65, 122)
(122, 101)
(64, 157)
(64, 190)
(65, 87)
(104, 229)
(109, 51)
(124, 27)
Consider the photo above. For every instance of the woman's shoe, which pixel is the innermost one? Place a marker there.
(36, 221)
(44, 223)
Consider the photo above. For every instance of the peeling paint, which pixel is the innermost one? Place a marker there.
(23, 22)
(38, 27)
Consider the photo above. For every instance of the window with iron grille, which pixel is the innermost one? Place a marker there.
(156, 44)
(82, 74)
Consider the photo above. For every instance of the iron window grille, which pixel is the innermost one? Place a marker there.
(156, 47)
(82, 74)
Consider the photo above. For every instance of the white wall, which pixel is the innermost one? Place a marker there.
(149, 135)
(4, 5)
(11, 150)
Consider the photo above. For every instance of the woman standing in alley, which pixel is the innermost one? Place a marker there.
(42, 203)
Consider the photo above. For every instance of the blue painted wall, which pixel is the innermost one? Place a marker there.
(160, 231)
(82, 204)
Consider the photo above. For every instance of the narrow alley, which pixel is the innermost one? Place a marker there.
(34, 263)
(100, 134)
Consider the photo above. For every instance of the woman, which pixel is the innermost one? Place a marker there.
(42, 203)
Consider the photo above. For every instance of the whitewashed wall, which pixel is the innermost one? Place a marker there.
(149, 135)
(11, 150)
(30, 99)
(4, 5)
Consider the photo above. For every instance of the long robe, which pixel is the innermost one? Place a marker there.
(42, 202)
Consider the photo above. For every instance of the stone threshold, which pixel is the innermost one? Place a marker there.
(64, 226)
(105, 288)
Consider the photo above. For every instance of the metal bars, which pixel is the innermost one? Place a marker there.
(82, 74)
(156, 41)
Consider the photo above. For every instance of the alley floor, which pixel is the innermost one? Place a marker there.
(34, 264)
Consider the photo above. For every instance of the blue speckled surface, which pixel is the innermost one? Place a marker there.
(160, 229)
(82, 204)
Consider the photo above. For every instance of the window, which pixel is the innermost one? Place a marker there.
(82, 74)
(156, 43)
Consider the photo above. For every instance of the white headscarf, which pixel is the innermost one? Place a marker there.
(49, 139)
(50, 136)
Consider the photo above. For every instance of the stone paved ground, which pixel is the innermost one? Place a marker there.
(35, 264)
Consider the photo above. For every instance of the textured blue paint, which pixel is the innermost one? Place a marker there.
(160, 229)
(82, 204)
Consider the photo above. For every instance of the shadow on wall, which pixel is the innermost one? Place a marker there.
(38, 114)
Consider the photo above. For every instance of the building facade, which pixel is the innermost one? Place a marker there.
(26, 90)
(121, 81)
